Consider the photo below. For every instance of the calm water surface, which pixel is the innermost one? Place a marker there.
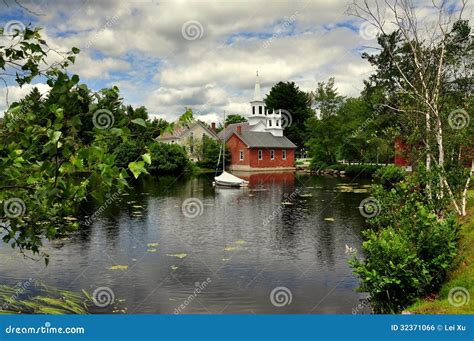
(283, 231)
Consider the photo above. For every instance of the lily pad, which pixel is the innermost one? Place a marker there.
(152, 244)
(151, 250)
(178, 255)
(230, 248)
(173, 267)
(240, 242)
(119, 267)
(329, 219)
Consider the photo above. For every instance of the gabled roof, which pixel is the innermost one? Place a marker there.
(179, 131)
(231, 128)
(255, 139)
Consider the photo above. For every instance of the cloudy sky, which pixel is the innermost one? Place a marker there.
(172, 54)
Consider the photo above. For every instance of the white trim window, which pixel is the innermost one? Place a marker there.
(272, 154)
(241, 155)
(283, 154)
(260, 154)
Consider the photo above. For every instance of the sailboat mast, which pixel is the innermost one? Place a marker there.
(223, 148)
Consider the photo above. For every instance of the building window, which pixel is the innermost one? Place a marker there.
(241, 155)
(269, 123)
(283, 154)
(172, 141)
(260, 109)
(259, 154)
(253, 110)
(277, 122)
(191, 149)
(272, 154)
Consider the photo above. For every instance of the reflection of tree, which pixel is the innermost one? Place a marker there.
(286, 223)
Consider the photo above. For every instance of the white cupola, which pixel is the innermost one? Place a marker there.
(274, 122)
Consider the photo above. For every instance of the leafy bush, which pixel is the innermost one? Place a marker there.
(129, 151)
(209, 154)
(390, 175)
(409, 249)
(317, 165)
(167, 158)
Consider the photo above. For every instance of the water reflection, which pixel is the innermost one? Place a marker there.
(246, 241)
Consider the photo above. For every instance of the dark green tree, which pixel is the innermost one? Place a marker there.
(324, 132)
(234, 118)
(289, 97)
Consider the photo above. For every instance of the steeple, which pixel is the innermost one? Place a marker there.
(257, 96)
(258, 110)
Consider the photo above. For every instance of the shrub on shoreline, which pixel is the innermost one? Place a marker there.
(408, 249)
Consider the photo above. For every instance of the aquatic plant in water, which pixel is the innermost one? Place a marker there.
(33, 297)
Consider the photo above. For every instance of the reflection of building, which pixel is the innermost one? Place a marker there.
(189, 135)
(259, 143)
(260, 178)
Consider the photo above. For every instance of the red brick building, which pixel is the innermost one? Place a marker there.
(404, 158)
(260, 150)
(259, 144)
(401, 151)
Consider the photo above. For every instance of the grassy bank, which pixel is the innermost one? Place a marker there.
(462, 276)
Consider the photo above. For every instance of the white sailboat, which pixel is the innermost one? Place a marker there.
(227, 179)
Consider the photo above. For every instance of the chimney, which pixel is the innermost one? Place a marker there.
(239, 129)
(213, 126)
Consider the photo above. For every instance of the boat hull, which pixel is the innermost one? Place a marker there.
(231, 184)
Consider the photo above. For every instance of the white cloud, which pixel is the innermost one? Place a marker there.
(15, 93)
(139, 46)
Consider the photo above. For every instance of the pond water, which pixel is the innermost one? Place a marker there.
(182, 246)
